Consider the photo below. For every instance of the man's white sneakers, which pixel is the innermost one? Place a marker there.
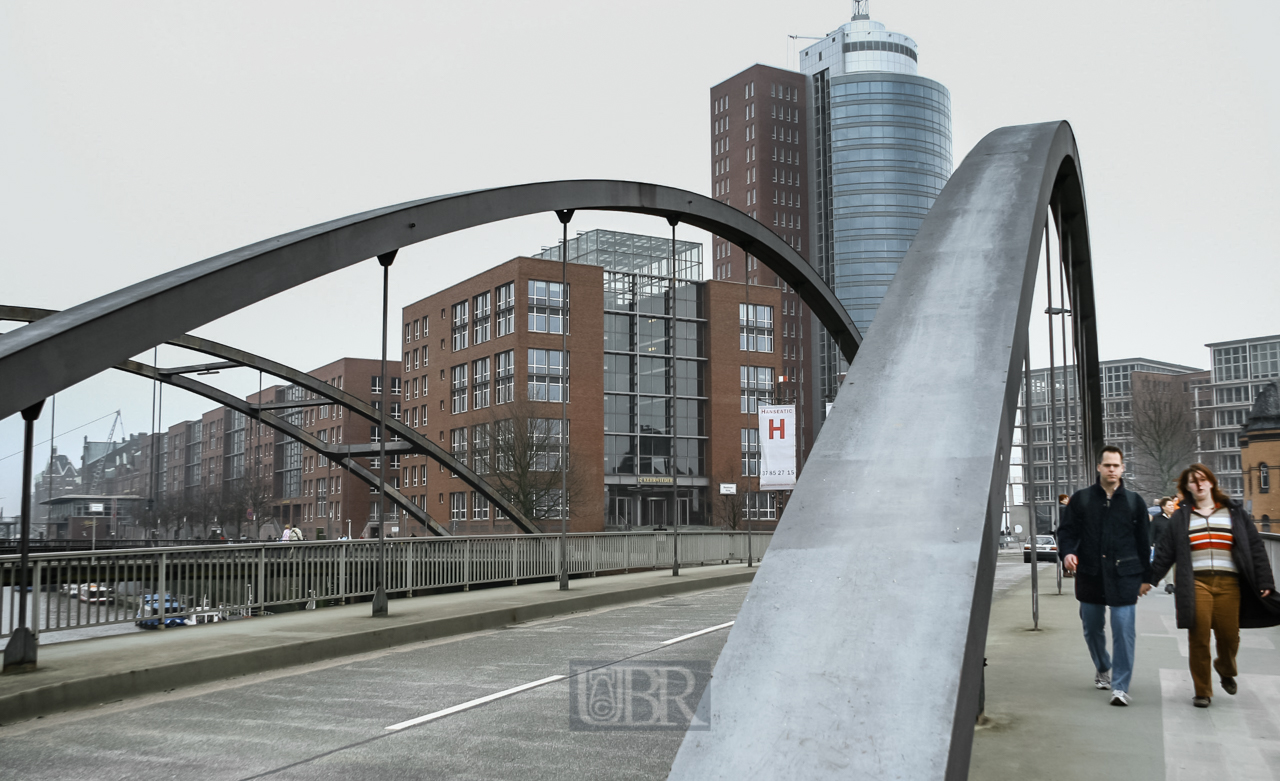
(1120, 698)
(1102, 680)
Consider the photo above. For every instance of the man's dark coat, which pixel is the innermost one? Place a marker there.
(1111, 540)
(1251, 562)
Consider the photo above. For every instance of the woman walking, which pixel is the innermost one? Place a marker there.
(1211, 537)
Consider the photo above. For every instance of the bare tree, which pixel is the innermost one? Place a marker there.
(245, 498)
(1163, 437)
(518, 453)
(727, 510)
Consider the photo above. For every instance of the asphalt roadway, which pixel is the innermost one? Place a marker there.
(331, 720)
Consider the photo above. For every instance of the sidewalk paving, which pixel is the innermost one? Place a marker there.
(1047, 721)
(88, 672)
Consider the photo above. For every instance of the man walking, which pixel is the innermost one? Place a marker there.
(1104, 539)
(1160, 527)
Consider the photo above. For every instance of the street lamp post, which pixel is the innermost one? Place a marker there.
(20, 653)
(380, 589)
(564, 215)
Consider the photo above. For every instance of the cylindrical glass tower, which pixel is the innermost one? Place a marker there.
(880, 154)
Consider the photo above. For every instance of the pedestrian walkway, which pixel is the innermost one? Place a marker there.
(1045, 719)
(84, 673)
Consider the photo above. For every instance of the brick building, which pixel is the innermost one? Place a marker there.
(759, 155)
(1260, 457)
(638, 456)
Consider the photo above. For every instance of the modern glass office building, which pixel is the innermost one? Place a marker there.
(647, 348)
(880, 153)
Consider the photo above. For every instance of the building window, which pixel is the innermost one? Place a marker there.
(1233, 485)
(546, 307)
(395, 388)
(1264, 479)
(755, 386)
(759, 505)
(458, 442)
(480, 448)
(1229, 462)
(480, 383)
(375, 384)
(480, 329)
(1237, 395)
(460, 311)
(1229, 364)
(755, 328)
(505, 311)
(504, 377)
(1115, 381)
(1264, 360)
(394, 410)
(546, 443)
(458, 506)
(458, 388)
(479, 507)
(1230, 417)
(1228, 440)
(750, 452)
(548, 375)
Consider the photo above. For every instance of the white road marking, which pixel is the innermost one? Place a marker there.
(476, 702)
(695, 634)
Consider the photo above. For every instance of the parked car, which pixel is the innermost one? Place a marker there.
(148, 612)
(1046, 549)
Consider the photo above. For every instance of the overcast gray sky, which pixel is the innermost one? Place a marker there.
(139, 137)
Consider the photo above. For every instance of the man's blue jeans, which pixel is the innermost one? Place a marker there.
(1122, 639)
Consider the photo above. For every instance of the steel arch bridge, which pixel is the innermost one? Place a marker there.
(854, 654)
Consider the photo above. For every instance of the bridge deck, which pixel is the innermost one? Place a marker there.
(1048, 721)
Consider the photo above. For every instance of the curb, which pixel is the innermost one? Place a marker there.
(91, 691)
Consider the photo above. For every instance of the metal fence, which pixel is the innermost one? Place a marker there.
(221, 582)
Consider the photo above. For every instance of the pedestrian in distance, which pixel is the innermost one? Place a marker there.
(1063, 501)
(1226, 580)
(1104, 539)
(1159, 528)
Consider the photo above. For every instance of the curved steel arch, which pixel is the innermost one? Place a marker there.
(418, 444)
(43, 358)
(858, 651)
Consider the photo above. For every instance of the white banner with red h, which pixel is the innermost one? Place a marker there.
(777, 447)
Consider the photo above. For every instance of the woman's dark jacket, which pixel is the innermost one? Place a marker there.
(1252, 566)
(1111, 541)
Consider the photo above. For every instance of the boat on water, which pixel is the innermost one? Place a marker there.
(150, 608)
(92, 592)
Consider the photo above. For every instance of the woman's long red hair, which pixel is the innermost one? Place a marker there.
(1219, 498)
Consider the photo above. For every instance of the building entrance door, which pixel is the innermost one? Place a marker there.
(655, 511)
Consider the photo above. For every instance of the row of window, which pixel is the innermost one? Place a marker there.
(474, 323)
(547, 379)
(880, 46)
(1246, 362)
(651, 455)
(413, 331)
(537, 446)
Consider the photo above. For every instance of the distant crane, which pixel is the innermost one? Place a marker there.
(99, 474)
(100, 470)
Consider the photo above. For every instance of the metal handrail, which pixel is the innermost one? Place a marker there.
(216, 582)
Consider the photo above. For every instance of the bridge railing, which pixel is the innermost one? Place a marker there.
(1271, 542)
(219, 582)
